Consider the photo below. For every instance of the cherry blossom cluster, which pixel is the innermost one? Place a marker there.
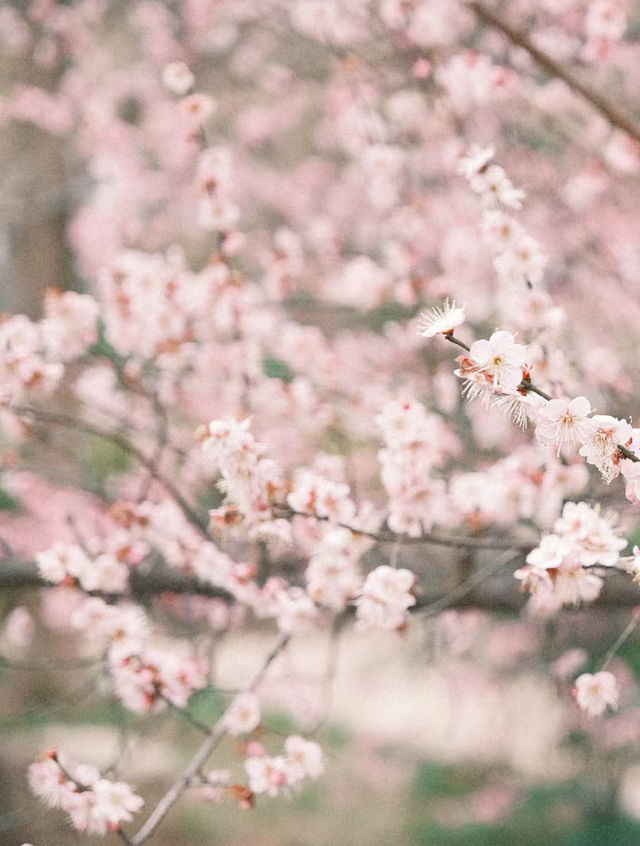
(162, 526)
(273, 775)
(33, 354)
(98, 570)
(252, 483)
(517, 257)
(146, 673)
(497, 371)
(601, 438)
(94, 804)
(558, 570)
(386, 596)
(416, 445)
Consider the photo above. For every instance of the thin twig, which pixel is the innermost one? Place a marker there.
(468, 585)
(200, 758)
(626, 634)
(186, 713)
(54, 664)
(66, 422)
(285, 511)
(161, 443)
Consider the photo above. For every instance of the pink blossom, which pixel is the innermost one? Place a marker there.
(48, 782)
(296, 611)
(564, 422)
(70, 324)
(500, 358)
(550, 552)
(386, 595)
(304, 759)
(594, 692)
(441, 320)
(267, 774)
(177, 78)
(592, 534)
(602, 448)
(243, 715)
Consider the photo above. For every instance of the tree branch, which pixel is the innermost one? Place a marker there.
(284, 511)
(619, 591)
(217, 733)
(143, 583)
(520, 39)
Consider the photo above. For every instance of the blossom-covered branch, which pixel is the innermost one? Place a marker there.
(519, 38)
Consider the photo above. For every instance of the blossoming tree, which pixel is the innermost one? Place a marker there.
(244, 410)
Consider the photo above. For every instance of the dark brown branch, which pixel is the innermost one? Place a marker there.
(462, 542)
(143, 583)
(521, 39)
(619, 591)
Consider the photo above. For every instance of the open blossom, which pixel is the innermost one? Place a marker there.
(441, 319)
(556, 572)
(550, 589)
(272, 774)
(22, 365)
(95, 805)
(104, 807)
(48, 782)
(592, 534)
(304, 758)
(500, 358)
(296, 610)
(332, 575)
(125, 626)
(574, 585)
(197, 108)
(550, 552)
(495, 187)
(243, 715)
(407, 426)
(602, 446)
(70, 324)
(416, 442)
(250, 481)
(177, 78)
(564, 422)
(595, 692)
(312, 494)
(61, 561)
(65, 561)
(267, 774)
(489, 180)
(475, 161)
(160, 674)
(386, 595)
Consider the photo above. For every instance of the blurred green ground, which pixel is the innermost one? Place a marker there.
(369, 795)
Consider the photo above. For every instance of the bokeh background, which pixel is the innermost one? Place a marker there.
(461, 730)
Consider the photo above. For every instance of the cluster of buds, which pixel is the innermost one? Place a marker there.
(95, 805)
